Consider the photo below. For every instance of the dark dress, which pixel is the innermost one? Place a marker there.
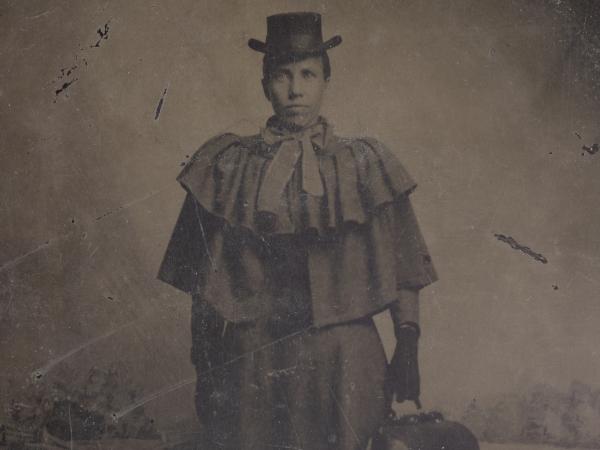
(284, 344)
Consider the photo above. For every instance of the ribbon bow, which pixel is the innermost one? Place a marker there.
(292, 146)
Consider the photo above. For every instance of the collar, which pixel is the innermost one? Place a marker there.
(275, 131)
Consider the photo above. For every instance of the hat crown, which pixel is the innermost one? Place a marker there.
(298, 32)
(289, 25)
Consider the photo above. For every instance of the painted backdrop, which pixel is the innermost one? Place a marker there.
(492, 106)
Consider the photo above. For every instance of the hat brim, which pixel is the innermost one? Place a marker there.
(262, 47)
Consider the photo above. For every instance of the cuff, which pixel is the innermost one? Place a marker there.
(406, 308)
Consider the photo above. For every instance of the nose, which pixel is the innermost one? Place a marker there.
(294, 88)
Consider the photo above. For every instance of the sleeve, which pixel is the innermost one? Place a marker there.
(390, 185)
(406, 309)
(186, 258)
(414, 267)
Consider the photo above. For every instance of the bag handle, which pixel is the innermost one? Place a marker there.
(414, 419)
(391, 414)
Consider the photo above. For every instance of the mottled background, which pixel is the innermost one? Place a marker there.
(487, 103)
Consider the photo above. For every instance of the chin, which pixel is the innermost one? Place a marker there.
(297, 120)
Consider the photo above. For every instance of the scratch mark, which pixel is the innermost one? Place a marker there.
(70, 428)
(130, 203)
(67, 71)
(595, 148)
(344, 414)
(65, 86)
(42, 14)
(591, 280)
(9, 304)
(148, 398)
(38, 374)
(515, 245)
(286, 446)
(282, 372)
(206, 246)
(287, 406)
(591, 260)
(569, 283)
(17, 260)
(577, 134)
(50, 242)
(160, 103)
(103, 33)
(180, 384)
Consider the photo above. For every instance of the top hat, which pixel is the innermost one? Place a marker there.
(294, 33)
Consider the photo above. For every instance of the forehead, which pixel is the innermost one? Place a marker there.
(314, 63)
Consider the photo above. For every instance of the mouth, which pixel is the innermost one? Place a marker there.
(296, 109)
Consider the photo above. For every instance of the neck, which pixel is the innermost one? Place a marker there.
(281, 123)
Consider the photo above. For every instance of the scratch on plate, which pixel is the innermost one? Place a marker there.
(148, 398)
(591, 280)
(130, 203)
(282, 372)
(38, 374)
(103, 33)
(42, 14)
(180, 384)
(287, 406)
(65, 86)
(160, 103)
(70, 428)
(93, 252)
(344, 414)
(292, 447)
(515, 245)
(206, 246)
(13, 262)
(18, 259)
(591, 150)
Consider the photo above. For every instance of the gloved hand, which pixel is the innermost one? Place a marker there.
(403, 381)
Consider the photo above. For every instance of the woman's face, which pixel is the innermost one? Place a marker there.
(296, 90)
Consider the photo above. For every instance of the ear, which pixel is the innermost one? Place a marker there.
(265, 85)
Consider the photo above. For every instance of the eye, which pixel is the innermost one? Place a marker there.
(308, 74)
(277, 76)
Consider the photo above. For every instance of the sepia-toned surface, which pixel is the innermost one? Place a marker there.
(488, 105)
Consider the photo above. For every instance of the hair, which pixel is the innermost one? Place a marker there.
(270, 63)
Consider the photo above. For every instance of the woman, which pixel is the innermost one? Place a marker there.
(289, 242)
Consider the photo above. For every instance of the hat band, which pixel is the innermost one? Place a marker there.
(301, 43)
(296, 42)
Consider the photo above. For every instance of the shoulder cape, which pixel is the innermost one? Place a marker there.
(362, 239)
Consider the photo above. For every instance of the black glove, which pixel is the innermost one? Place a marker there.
(403, 381)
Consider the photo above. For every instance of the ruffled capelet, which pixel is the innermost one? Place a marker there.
(360, 240)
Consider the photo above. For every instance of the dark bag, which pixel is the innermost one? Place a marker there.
(426, 431)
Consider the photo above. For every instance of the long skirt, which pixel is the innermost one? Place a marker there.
(299, 388)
